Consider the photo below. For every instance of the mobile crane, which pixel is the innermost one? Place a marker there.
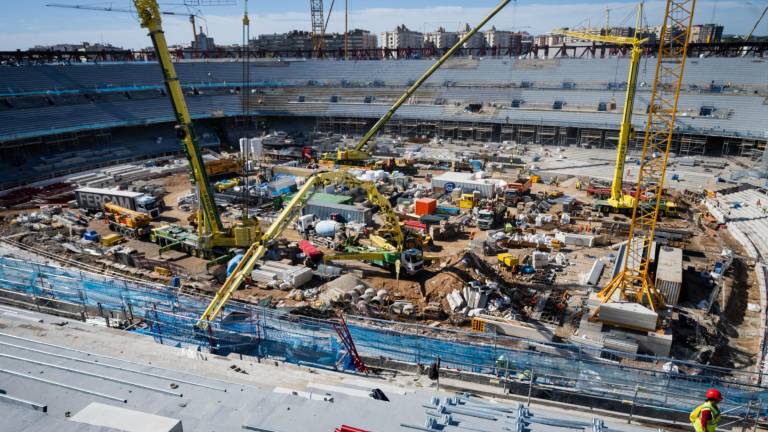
(618, 201)
(360, 155)
(127, 222)
(634, 281)
(389, 233)
(212, 234)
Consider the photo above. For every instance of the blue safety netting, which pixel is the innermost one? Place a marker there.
(170, 318)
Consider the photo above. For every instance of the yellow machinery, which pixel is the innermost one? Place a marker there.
(127, 222)
(469, 200)
(223, 185)
(633, 282)
(618, 201)
(360, 155)
(211, 232)
(224, 166)
(389, 234)
(509, 260)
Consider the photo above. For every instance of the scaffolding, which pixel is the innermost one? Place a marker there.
(169, 317)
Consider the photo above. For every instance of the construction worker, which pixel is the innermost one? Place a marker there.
(706, 416)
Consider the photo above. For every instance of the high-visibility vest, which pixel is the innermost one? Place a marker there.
(713, 420)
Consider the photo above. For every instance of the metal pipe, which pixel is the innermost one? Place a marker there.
(165, 377)
(66, 386)
(14, 400)
(385, 118)
(86, 373)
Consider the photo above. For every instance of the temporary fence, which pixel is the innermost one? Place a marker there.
(170, 318)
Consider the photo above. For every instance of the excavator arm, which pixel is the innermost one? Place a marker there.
(391, 228)
(149, 15)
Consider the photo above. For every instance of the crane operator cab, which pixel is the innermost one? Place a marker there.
(412, 260)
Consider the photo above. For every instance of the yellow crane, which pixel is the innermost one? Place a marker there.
(113, 9)
(360, 155)
(390, 234)
(211, 231)
(634, 281)
(619, 201)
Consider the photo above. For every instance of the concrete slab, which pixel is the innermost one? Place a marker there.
(98, 414)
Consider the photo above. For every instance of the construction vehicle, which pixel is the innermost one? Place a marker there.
(227, 184)
(509, 261)
(94, 199)
(388, 243)
(487, 218)
(360, 155)
(618, 201)
(223, 167)
(211, 232)
(516, 190)
(467, 165)
(634, 282)
(127, 222)
(469, 200)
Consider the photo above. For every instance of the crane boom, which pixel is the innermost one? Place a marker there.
(149, 15)
(390, 228)
(617, 199)
(359, 152)
(634, 282)
(754, 27)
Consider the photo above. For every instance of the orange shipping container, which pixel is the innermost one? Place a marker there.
(426, 206)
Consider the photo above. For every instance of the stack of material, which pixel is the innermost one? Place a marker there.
(669, 274)
(455, 300)
(540, 260)
(629, 314)
(575, 239)
(286, 276)
(594, 274)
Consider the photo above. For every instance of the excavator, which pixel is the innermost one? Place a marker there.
(618, 201)
(212, 234)
(389, 240)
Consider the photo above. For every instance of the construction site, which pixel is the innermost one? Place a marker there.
(486, 243)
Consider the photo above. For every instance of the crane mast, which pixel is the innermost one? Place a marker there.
(318, 25)
(212, 232)
(634, 282)
(618, 200)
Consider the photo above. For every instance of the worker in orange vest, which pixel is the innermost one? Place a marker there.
(707, 415)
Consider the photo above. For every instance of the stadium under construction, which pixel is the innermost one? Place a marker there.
(556, 238)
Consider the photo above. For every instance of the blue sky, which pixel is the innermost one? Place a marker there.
(28, 23)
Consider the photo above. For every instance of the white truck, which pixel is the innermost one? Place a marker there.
(95, 198)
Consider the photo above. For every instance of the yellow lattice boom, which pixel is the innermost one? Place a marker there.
(634, 282)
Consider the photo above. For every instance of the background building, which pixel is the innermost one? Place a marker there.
(498, 38)
(402, 37)
(706, 33)
(475, 42)
(440, 38)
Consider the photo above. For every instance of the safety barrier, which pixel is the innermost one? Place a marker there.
(250, 330)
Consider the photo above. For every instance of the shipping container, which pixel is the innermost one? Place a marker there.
(426, 206)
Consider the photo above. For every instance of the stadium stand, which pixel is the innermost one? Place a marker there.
(724, 99)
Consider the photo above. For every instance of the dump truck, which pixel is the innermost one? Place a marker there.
(516, 190)
(127, 222)
(94, 199)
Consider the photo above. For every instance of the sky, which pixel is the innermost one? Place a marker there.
(29, 22)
